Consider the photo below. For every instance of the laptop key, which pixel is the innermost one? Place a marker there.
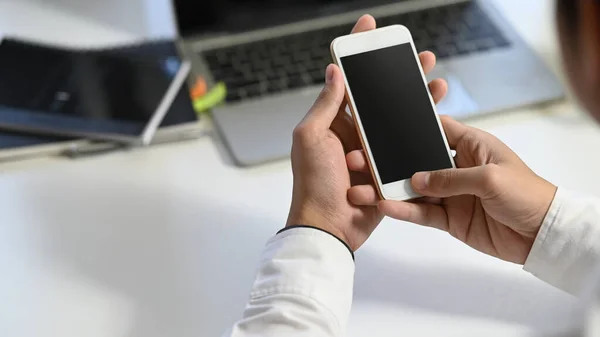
(253, 90)
(436, 31)
(317, 76)
(319, 56)
(282, 61)
(259, 66)
(300, 57)
(273, 87)
(240, 59)
(295, 82)
(233, 96)
(485, 44)
(464, 47)
(293, 70)
(446, 50)
(238, 83)
(442, 53)
(270, 74)
(313, 66)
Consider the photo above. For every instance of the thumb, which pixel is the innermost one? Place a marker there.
(480, 181)
(330, 99)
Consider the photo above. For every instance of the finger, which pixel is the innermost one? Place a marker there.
(422, 214)
(357, 161)
(343, 126)
(428, 61)
(454, 130)
(327, 105)
(481, 181)
(364, 23)
(363, 195)
(360, 178)
(428, 200)
(438, 89)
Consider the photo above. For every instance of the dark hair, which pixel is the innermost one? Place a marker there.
(567, 12)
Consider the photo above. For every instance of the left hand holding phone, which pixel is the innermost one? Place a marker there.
(321, 177)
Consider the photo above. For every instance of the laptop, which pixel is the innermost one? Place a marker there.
(272, 56)
(98, 94)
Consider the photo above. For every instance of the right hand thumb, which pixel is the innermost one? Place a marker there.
(480, 181)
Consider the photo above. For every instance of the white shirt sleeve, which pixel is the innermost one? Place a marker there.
(303, 288)
(566, 252)
(305, 278)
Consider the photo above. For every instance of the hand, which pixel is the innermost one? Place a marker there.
(321, 176)
(493, 202)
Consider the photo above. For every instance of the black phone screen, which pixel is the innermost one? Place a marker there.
(396, 113)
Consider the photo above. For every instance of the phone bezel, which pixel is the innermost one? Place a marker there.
(368, 41)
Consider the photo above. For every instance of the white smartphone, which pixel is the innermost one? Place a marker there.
(393, 110)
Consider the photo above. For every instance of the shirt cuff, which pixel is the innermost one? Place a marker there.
(309, 263)
(322, 230)
(565, 252)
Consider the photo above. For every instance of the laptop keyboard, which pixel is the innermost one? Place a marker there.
(275, 65)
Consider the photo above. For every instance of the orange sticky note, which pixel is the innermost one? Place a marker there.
(199, 89)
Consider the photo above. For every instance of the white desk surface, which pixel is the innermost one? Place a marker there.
(164, 241)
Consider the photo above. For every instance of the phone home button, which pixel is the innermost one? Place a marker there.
(400, 190)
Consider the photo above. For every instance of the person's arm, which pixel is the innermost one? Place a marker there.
(303, 287)
(306, 275)
(566, 251)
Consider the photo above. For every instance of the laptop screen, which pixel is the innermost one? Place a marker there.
(220, 16)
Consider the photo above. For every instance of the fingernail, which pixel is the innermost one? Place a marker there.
(420, 181)
(329, 74)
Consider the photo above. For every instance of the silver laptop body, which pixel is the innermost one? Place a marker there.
(258, 129)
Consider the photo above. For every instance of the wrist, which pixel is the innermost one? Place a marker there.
(546, 196)
(316, 220)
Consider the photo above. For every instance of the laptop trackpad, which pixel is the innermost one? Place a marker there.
(457, 103)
